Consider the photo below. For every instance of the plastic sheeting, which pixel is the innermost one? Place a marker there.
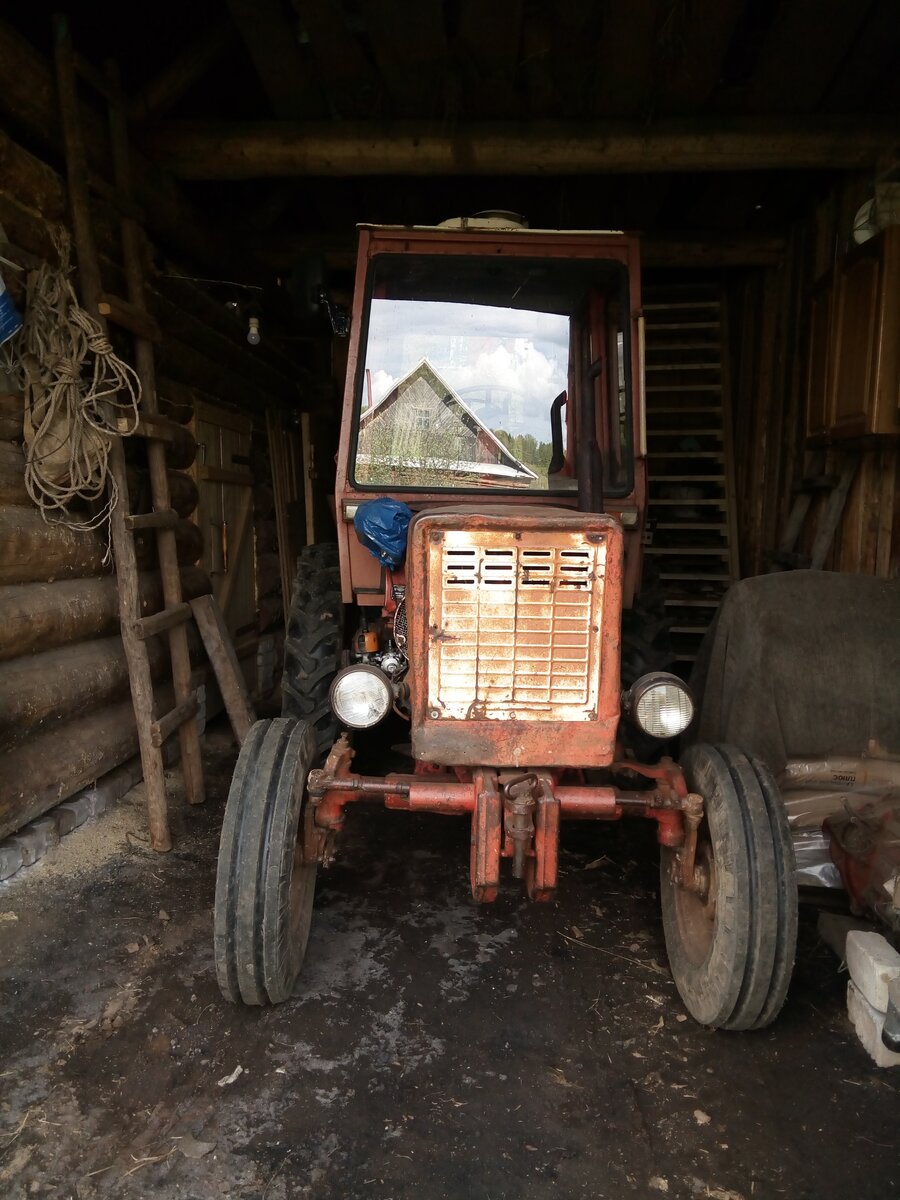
(804, 664)
(382, 527)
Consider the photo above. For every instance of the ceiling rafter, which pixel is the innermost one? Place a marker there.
(257, 150)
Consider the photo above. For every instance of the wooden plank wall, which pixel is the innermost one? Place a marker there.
(65, 711)
(770, 314)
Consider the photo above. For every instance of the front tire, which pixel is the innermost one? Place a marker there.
(264, 891)
(731, 951)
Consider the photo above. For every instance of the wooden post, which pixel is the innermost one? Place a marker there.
(220, 650)
(133, 248)
(123, 546)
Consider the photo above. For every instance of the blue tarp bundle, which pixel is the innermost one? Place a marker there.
(382, 526)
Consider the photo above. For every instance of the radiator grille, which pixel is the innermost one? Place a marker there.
(518, 629)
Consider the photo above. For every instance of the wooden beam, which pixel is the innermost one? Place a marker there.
(219, 150)
(190, 65)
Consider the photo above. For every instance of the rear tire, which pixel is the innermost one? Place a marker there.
(264, 893)
(314, 642)
(732, 952)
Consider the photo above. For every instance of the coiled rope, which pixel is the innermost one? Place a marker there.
(76, 391)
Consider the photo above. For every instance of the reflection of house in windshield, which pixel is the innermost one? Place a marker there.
(422, 433)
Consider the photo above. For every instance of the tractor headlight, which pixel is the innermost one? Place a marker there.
(661, 705)
(361, 696)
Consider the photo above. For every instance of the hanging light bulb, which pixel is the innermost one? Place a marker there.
(253, 334)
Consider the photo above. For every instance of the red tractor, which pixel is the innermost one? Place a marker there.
(490, 505)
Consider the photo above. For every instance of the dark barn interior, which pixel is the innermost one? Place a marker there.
(199, 171)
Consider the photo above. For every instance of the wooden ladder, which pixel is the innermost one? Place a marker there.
(153, 728)
(690, 506)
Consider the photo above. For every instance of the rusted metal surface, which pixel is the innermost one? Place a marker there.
(514, 627)
(487, 837)
(514, 815)
(542, 869)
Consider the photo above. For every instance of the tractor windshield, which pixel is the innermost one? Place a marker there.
(463, 360)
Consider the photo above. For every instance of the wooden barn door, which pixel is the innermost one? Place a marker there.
(225, 514)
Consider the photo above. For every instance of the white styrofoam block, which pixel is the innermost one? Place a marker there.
(868, 1023)
(872, 962)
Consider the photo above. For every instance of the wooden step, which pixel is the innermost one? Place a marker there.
(693, 577)
(681, 305)
(686, 479)
(655, 410)
(129, 316)
(165, 619)
(683, 366)
(686, 431)
(693, 601)
(164, 518)
(690, 552)
(710, 345)
(686, 502)
(174, 719)
(667, 454)
(650, 326)
(718, 526)
(683, 387)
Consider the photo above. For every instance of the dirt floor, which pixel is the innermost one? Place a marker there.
(434, 1049)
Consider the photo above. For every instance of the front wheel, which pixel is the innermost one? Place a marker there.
(731, 946)
(264, 889)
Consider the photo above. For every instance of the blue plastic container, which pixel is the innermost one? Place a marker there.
(10, 318)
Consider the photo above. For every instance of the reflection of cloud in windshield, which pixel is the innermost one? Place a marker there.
(509, 363)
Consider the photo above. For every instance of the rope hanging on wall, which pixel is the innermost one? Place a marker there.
(76, 388)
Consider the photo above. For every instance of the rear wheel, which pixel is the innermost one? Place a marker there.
(731, 946)
(264, 890)
(314, 641)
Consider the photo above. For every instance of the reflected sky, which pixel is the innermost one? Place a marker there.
(507, 364)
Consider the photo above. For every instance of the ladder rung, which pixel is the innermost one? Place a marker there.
(683, 387)
(687, 431)
(692, 601)
(686, 479)
(695, 578)
(680, 305)
(164, 518)
(667, 454)
(711, 345)
(129, 316)
(683, 367)
(123, 204)
(153, 425)
(165, 619)
(691, 525)
(690, 551)
(95, 78)
(173, 719)
(654, 410)
(651, 325)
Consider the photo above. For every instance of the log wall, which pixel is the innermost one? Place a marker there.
(65, 712)
(769, 332)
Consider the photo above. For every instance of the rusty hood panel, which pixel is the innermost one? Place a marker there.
(514, 636)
